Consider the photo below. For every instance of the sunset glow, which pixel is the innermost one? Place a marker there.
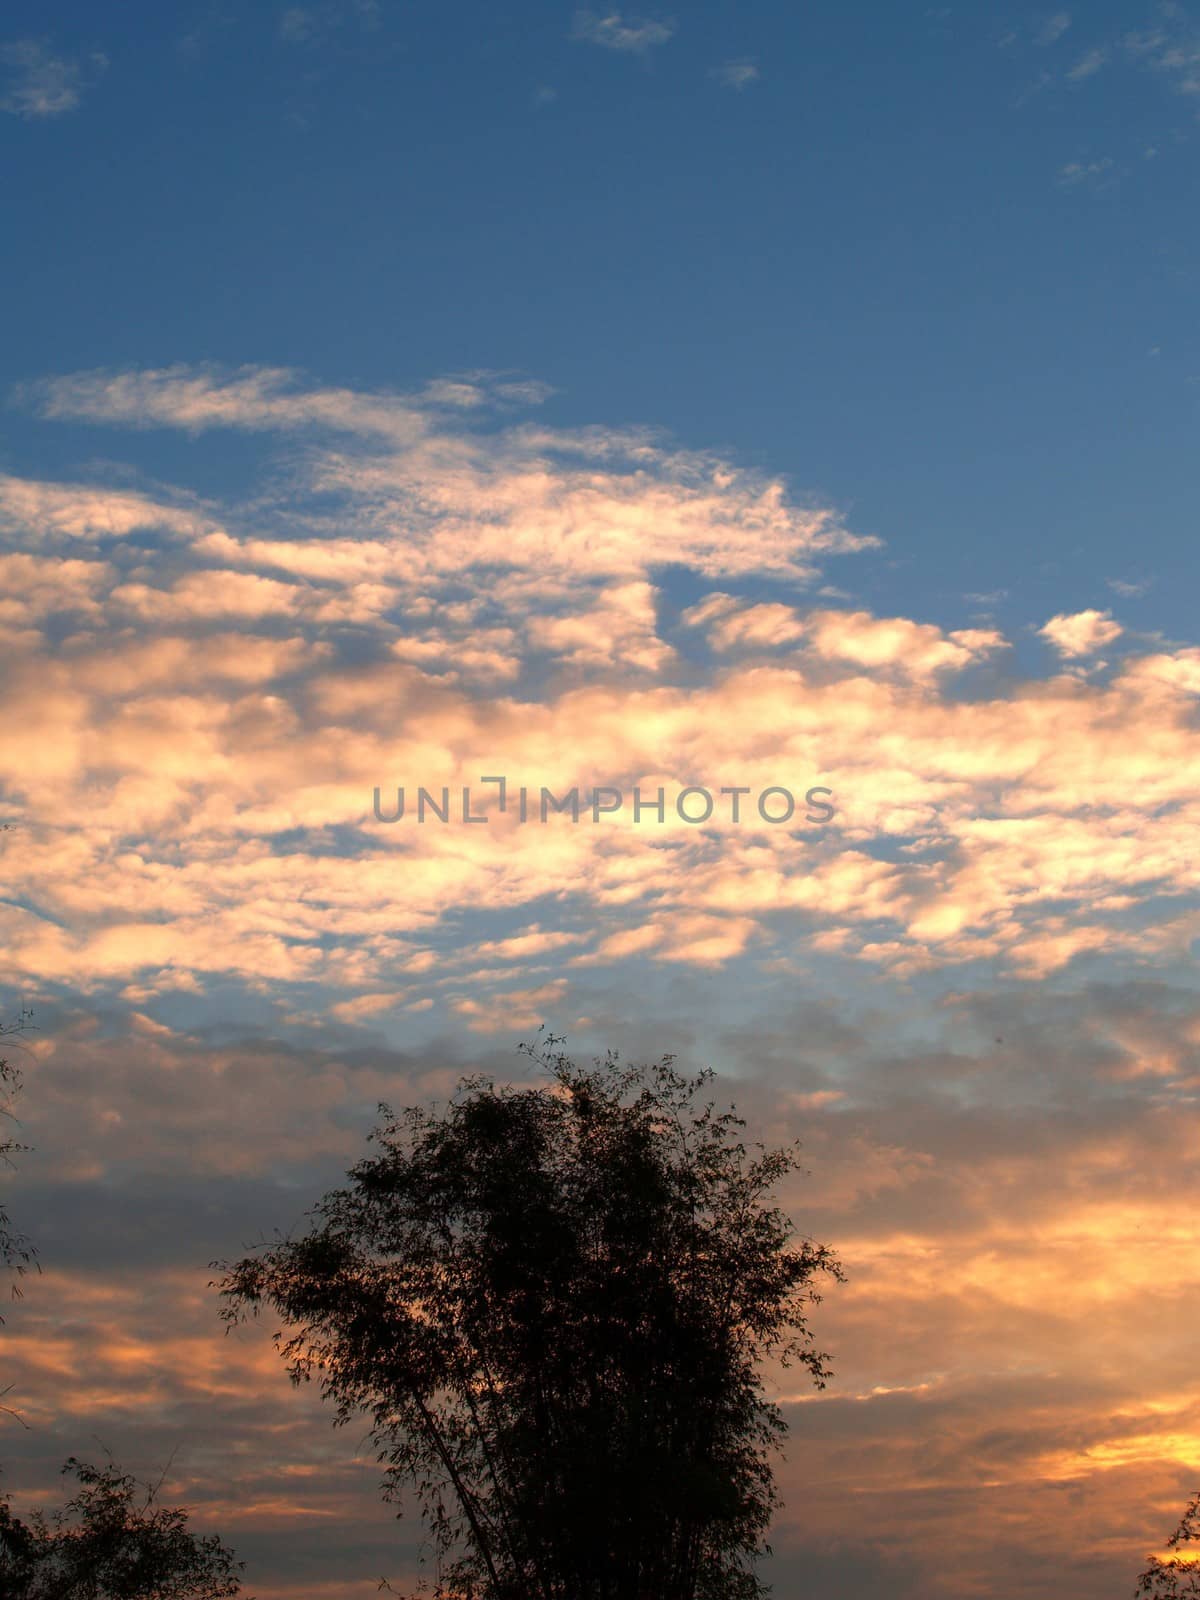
(674, 527)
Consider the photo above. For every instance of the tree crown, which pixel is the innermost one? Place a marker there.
(553, 1302)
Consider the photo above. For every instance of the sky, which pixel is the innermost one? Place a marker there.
(785, 408)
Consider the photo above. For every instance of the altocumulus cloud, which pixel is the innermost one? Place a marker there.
(433, 588)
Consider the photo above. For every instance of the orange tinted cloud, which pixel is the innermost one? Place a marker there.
(1022, 825)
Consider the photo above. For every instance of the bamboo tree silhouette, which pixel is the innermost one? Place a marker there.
(553, 1303)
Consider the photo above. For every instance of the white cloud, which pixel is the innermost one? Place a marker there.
(736, 74)
(1081, 633)
(298, 24)
(1076, 172)
(1053, 28)
(1172, 49)
(1130, 588)
(634, 35)
(304, 24)
(1088, 65)
(42, 84)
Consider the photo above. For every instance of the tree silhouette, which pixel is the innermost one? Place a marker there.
(17, 1255)
(1177, 1576)
(553, 1303)
(103, 1545)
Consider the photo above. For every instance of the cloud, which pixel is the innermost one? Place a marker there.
(1077, 172)
(298, 24)
(632, 35)
(256, 398)
(429, 590)
(738, 74)
(1088, 65)
(1081, 633)
(423, 499)
(621, 626)
(1180, 669)
(918, 649)
(512, 1010)
(54, 511)
(734, 625)
(1130, 588)
(42, 84)
(1053, 28)
(305, 24)
(1172, 49)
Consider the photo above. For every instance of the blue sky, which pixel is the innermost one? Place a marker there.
(762, 394)
(912, 263)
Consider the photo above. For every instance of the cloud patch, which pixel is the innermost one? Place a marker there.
(1081, 633)
(1051, 30)
(37, 83)
(628, 35)
(738, 74)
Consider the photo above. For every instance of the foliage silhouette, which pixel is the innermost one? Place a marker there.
(103, 1545)
(553, 1303)
(17, 1255)
(1176, 1576)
